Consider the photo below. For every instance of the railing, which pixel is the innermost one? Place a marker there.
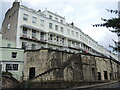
(56, 43)
(32, 39)
(42, 39)
(24, 35)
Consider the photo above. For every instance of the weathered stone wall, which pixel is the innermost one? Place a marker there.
(115, 70)
(53, 65)
(73, 69)
(59, 65)
(9, 82)
(118, 71)
(103, 65)
(37, 59)
(89, 67)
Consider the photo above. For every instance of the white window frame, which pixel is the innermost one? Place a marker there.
(34, 20)
(62, 29)
(50, 25)
(42, 22)
(33, 46)
(56, 27)
(25, 31)
(77, 35)
(9, 45)
(8, 27)
(42, 36)
(33, 34)
(24, 45)
(56, 18)
(72, 32)
(25, 17)
(61, 21)
(68, 30)
(12, 67)
(51, 37)
(50, 16)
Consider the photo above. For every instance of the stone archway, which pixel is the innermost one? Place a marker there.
(69, 73)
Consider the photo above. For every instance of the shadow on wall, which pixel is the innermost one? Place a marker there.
(8, 81)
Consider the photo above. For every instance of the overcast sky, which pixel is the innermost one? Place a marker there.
(83, 13)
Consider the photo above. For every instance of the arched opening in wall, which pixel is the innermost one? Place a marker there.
(68, 73)
(93, 73)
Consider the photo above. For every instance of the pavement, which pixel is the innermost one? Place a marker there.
(92, 86)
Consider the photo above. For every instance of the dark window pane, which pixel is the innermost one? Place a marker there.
(15, 66)
(8, 67)
(14, 54)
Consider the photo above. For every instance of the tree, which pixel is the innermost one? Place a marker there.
(113, 23)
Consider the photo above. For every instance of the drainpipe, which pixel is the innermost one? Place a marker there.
(81, 68)
(95, 69)
(82, 76)
(111, 67)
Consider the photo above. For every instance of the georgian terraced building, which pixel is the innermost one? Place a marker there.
(31, 29)
(11, 58)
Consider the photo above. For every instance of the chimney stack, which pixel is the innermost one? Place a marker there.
(16, 3)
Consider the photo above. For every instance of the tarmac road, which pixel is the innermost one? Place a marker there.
(114, 86)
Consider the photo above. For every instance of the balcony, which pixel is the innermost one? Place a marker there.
(75, 48)
(56, 43)
(43, 40)
(34, 39)
(24, 35)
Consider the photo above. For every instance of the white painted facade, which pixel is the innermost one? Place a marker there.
(70, 39)
(12, 59)
(0, 39)
(11, 64)
(0, 45)
(36, 29)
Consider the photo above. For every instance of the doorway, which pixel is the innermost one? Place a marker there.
(105, 75)
(31, 72)
(99, 75)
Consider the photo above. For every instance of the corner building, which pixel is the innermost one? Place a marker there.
(31, 29)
